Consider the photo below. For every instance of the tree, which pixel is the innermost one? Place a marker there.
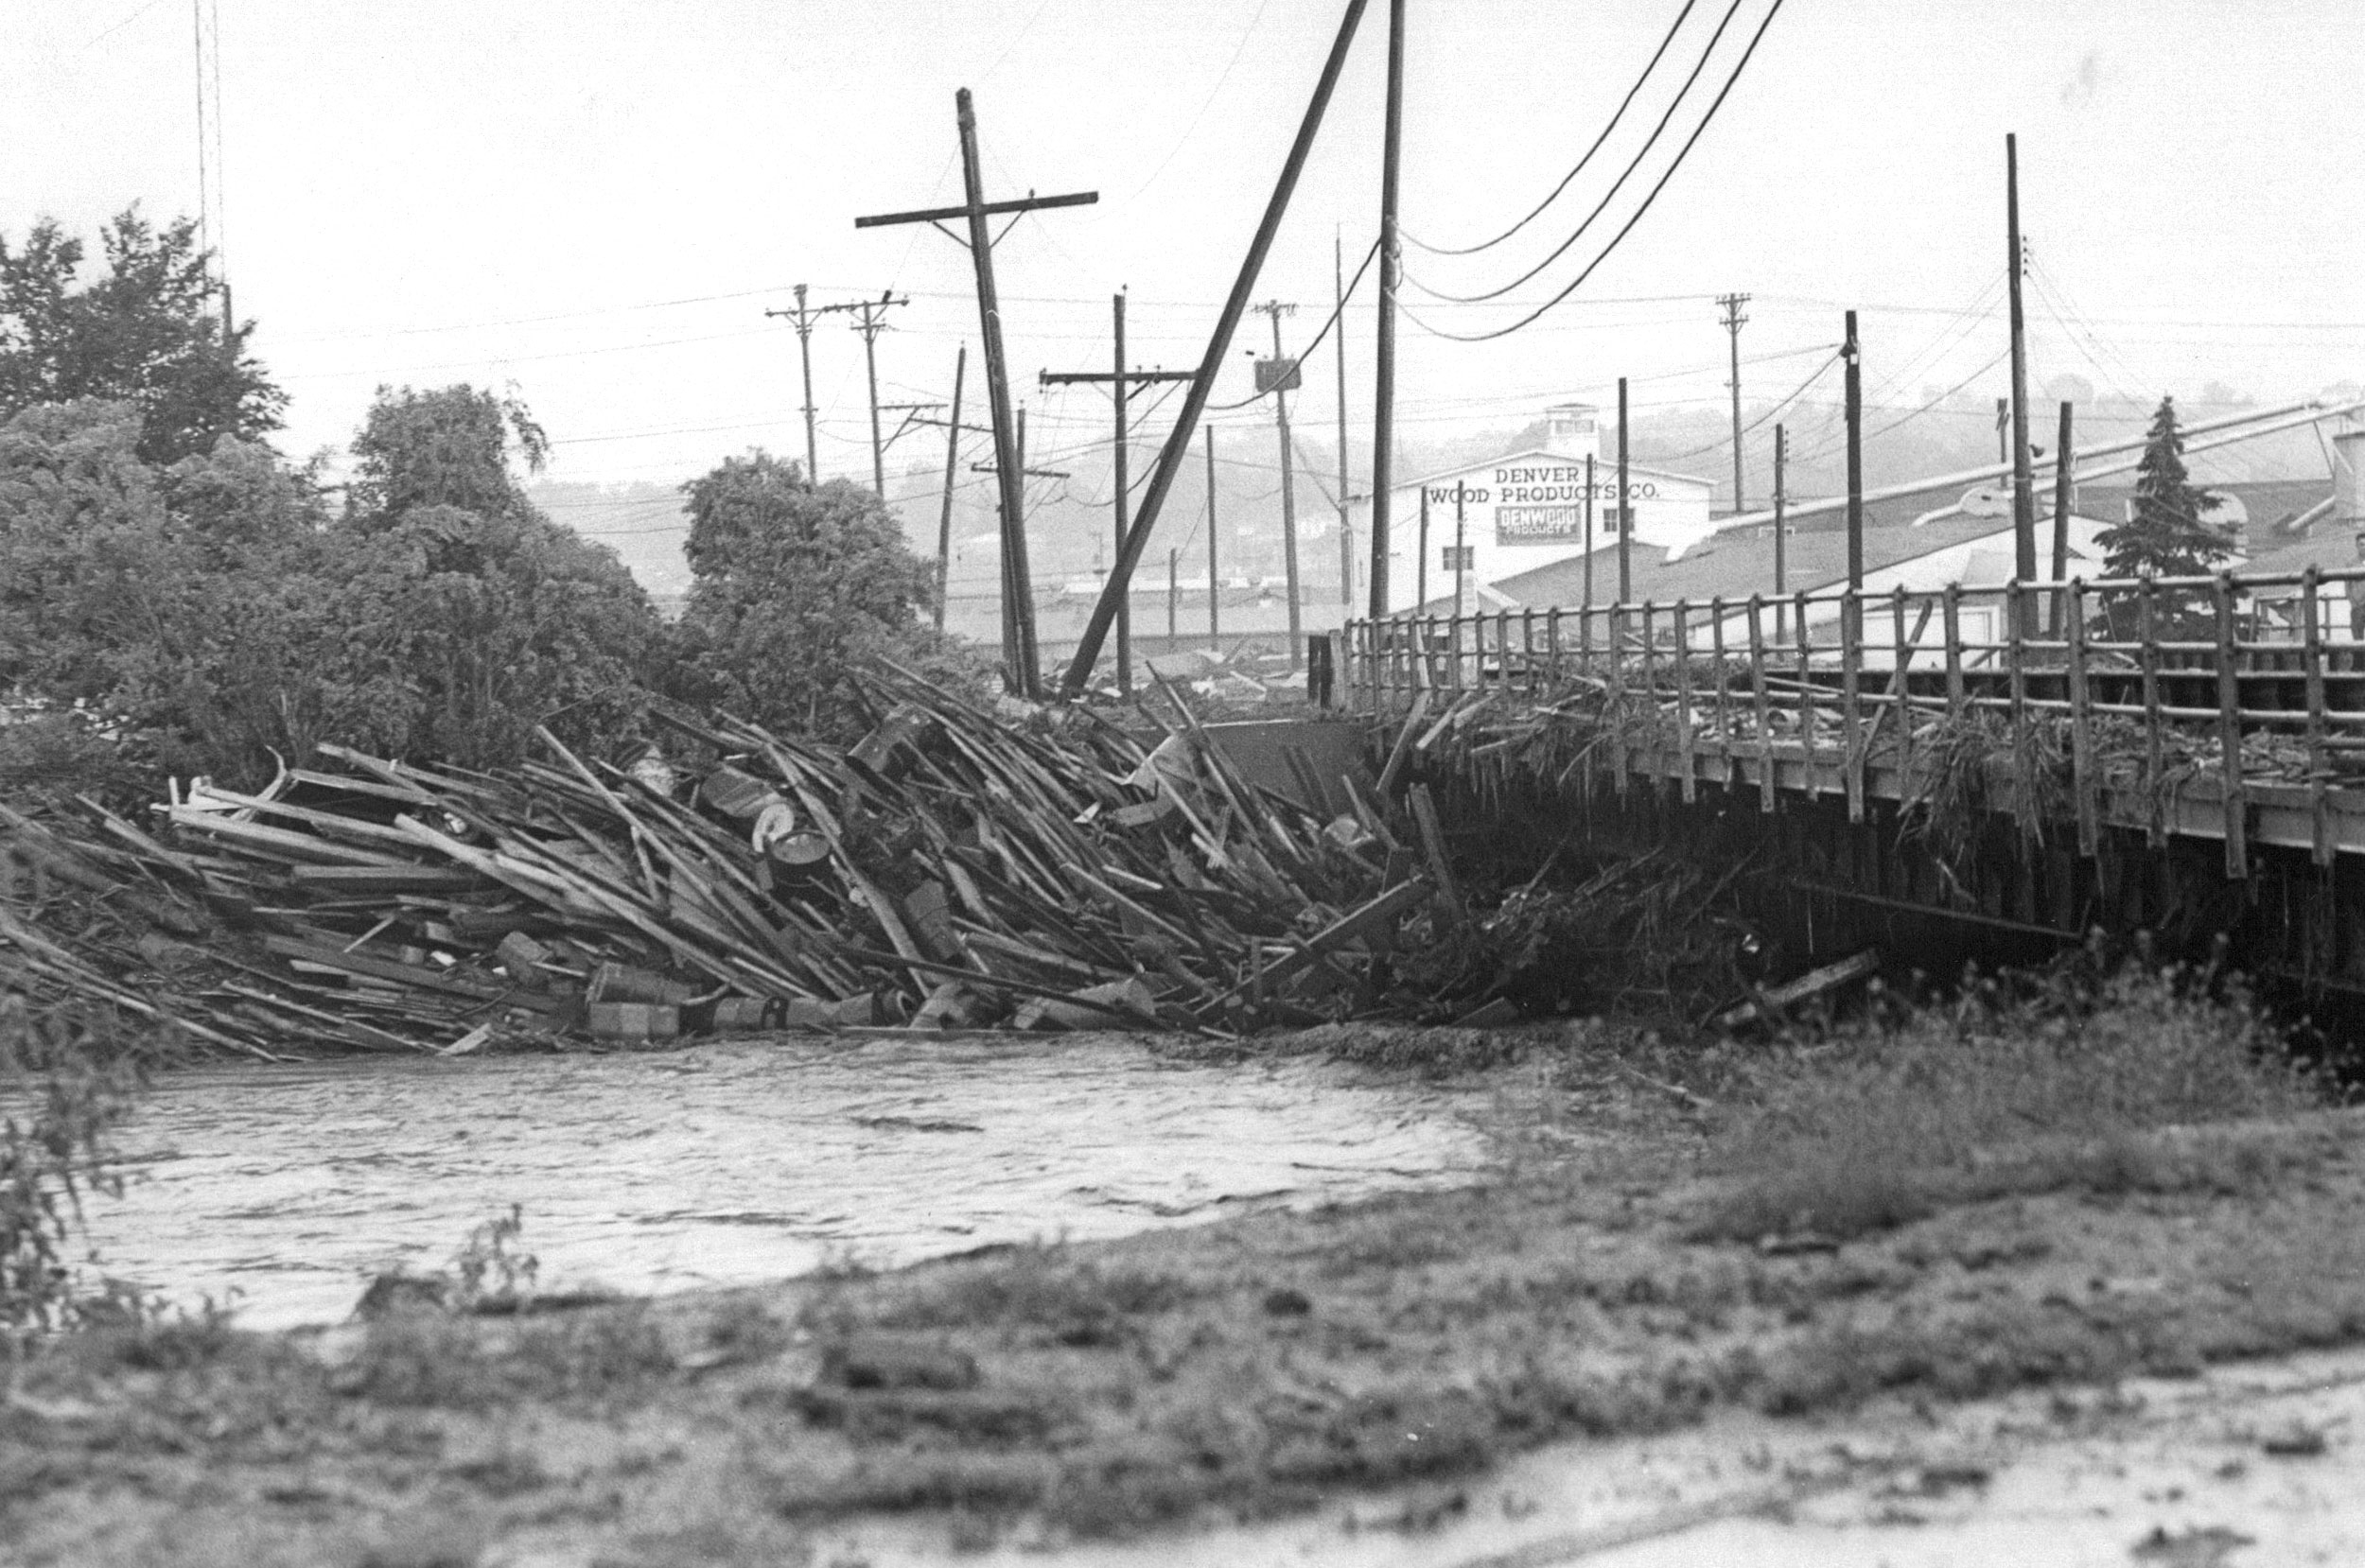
(795, 585)
(2164, 535)
(144, 331)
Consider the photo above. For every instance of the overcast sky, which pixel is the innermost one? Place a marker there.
(597, 201)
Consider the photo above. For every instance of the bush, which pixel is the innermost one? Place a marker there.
(70, 1074)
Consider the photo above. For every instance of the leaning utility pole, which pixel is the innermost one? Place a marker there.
(804, 320)
(1384, 414)
(1022, 671)
(1733, 323)
(870, 320)
(2024, 480)
(1339, 343)
(1119, 381)
(1781, 500)
(1171, 456)
(951, 462)
(1282, 375)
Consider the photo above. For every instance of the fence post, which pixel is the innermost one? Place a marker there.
(2318, 764)
(1955, 697)
(1551, 641)
(2230, 729)
(1764, 711)
(1901, 688)
(1684, 752)
(1526, 648)
(2072, 604)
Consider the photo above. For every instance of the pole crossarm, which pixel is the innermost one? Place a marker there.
(1063, 378)
(984, 209)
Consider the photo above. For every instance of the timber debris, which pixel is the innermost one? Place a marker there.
(960, 866)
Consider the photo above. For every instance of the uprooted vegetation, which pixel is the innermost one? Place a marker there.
(2076, 1176)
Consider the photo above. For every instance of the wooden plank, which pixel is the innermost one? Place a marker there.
(1850, 719)
(1440, 861)
(2024, 790)
(1684, 747)
(1955, 701)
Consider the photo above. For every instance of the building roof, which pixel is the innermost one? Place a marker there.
(1740, 562)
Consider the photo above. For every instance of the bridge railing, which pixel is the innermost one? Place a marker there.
(2143, 685)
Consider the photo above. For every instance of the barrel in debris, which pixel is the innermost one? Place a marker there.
(635, 1021)
(613, 982)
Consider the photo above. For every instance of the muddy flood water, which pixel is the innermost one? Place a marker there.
(732, 1164)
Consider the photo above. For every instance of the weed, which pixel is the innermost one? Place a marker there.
(1879, 1123)
(493, 1275)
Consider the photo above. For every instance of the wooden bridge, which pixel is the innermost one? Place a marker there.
(2185, 754)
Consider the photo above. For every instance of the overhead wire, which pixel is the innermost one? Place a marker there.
(1611, 248)
(1800, 391)
(1537, 211)
(1316, 341)
(1633, 163)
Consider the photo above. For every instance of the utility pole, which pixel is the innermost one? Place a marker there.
(2004, 431)
(1023, 673)
(1460, 547)
(870, 320)
(803, 320)
(2062, 483)
(1018, 618)
(1215, 595)
(1282, 374)
(1119, 381)
(1339, 343)
(1384, 414)
(952, 461)
(1733, 322)
(1854, 354)
(1781, 500)
(1588, 524)
(1420, 564)
(1174, 597)
(1624, 510)
(2024, 480)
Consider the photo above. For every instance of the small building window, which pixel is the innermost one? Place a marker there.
(1614, 519)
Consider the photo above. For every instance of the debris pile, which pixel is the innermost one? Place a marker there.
(958, 867)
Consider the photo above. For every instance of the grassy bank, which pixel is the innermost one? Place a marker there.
(2026, 1185)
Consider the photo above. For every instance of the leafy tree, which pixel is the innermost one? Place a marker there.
(2164, 535)
(144, 331)
(795, 585)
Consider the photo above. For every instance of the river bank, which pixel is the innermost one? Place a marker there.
(1618, 1276)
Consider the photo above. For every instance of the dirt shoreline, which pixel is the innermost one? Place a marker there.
(1273, 1367)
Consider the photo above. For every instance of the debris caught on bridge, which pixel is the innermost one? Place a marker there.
(961, 866)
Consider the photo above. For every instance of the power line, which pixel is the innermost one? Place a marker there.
(1800, 391)
(1620, 183)
(1622, 105)
(1610, 249)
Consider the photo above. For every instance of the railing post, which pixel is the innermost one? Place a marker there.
(1806, 708)
(1956, 700)
(2016, 653)
(1526, 648)
(2319, 763)
(2230, 729)
(1622, 728)
(2072, 604)
(2147, 655)
(1849, 700)
(1901, 686)
(1684, 748)
(1764, 709)
(1723, 705)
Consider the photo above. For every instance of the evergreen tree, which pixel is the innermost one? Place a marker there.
(2164, 535)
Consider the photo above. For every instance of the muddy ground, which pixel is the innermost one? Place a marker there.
(1386, 1357)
